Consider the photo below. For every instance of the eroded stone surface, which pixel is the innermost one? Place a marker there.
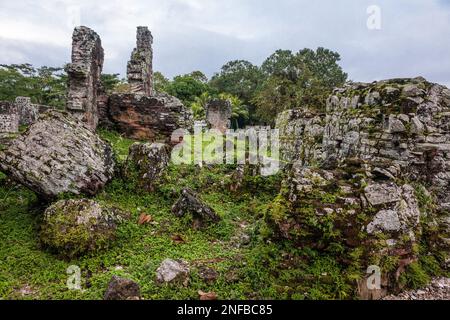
(382, 193)
(28, 112)
(9, 118)
(301, 133)
(59, 154)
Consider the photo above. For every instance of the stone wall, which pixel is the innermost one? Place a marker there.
(84, 75)
(301, 133)
(28, 112)
(9, 118)
(140, 66)
(402, 124)
(378, 181)
(218, 114)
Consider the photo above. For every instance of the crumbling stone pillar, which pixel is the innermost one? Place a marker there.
(140, 66)
(218, 114)
(84, 75)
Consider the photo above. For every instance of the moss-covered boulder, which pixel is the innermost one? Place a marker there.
(72, 228)
(146, 163)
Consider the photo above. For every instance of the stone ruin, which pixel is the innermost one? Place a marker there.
(84, 75)
(28, 112)
(142, 113)
(9, 118)
(364, 166)
(20, 113)
(140, 67)
(218, 114)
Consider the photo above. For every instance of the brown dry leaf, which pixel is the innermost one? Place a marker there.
(144, 218)
(177, 239)
(207, 295)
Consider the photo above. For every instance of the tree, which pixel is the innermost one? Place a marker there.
(160, 82)
(239, 78)
(186, 88)
(110, 82)
(323, 64)
(280, 64)
(303, 80)
(199, 105)
(199, 76)
(44, 85)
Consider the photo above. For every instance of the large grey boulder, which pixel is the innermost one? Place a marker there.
(59, 154)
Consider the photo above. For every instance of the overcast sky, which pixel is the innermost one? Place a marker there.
(414, 38)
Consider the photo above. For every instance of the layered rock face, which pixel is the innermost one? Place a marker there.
(84, 75)
(218, 114)
(371, 177)
(361, 217)
(140, 67)
(58, 154)
(151, 118)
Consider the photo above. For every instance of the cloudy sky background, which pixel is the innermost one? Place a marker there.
(204, 34)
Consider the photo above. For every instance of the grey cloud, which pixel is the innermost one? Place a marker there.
(203, 34)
